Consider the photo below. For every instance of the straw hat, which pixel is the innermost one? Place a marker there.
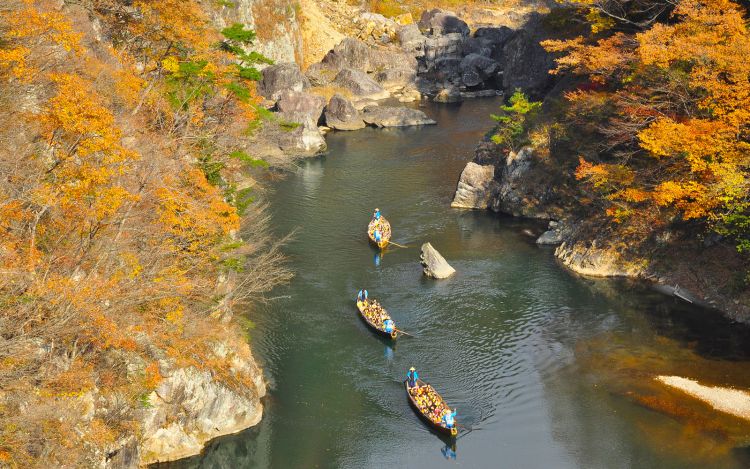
(411, 369)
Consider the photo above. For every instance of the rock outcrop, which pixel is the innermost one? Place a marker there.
(596, 260)
(554, 235)
(189, 407)
(360, 84)
(435, 265)
(438, 22)
(280, 78)
(387, 116)
(340, 114)
(474, 187)
(526, 65)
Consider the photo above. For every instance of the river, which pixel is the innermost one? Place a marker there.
(547, 369)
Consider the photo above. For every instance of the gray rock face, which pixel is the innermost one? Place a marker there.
(449, 45)
(386, 116)
(340, 114)
(555, 234)
(510, 192)
(301, 107)
(438, 22)
(303, 110)
(360, 84)
(411, 39)
(189, 407)
(474, 187)
(435, 265)
(396, 78)
(320, 75)
(526, 65)
(281, 77)
(349, 53)
(476, 70)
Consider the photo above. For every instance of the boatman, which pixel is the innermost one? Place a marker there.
(449, 419)
(411, 377)
(376, 215)
(376, 235)
(388, 325)
(362, 296)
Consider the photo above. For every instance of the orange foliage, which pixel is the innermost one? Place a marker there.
(681, 100)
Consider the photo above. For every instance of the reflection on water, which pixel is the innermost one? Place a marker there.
(547, 369)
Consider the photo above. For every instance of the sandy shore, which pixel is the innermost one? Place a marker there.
(729, 400)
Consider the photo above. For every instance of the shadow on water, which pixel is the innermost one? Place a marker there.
(554, 369)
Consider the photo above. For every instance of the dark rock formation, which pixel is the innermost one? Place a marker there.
(477, 70)
(526, 65)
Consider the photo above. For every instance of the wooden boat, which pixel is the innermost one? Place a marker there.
(439, 426)
(375, 327)
(385, 231)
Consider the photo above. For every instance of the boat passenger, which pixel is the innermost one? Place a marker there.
(388, 325)
(412, 376)
(362, 295)
(449, 419)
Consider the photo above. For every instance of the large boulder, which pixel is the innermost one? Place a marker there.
(526, 65)
(411, 39)
(492, 39)
(450, 45)
(434, 264)
(396, 78)
(301, 107)
(476, 70)
(349, 53)
(319, 74)
(300, 113)
(474, 187)
(386, 116)
(438, 22)
(360, 84)
(281, 77)
(340, 114)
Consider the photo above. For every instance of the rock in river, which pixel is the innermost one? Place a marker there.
(386, 116)
(341, 114)
(435, 265)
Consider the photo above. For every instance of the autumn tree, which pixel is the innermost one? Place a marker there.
(673, 106)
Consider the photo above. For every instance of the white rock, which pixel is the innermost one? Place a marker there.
(435, 265)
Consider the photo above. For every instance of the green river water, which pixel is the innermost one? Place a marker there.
(546, 369)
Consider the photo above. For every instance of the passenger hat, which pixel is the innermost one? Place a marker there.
(411, 369)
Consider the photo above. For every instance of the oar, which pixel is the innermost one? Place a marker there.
(405, 333)
(397, 245)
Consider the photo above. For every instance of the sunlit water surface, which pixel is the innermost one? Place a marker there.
(546, 369)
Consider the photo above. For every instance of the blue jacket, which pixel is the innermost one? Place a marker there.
(377, 215)
(388, 325)
(448, 419)
(362, 295)
(412, 376)
(376, 235)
